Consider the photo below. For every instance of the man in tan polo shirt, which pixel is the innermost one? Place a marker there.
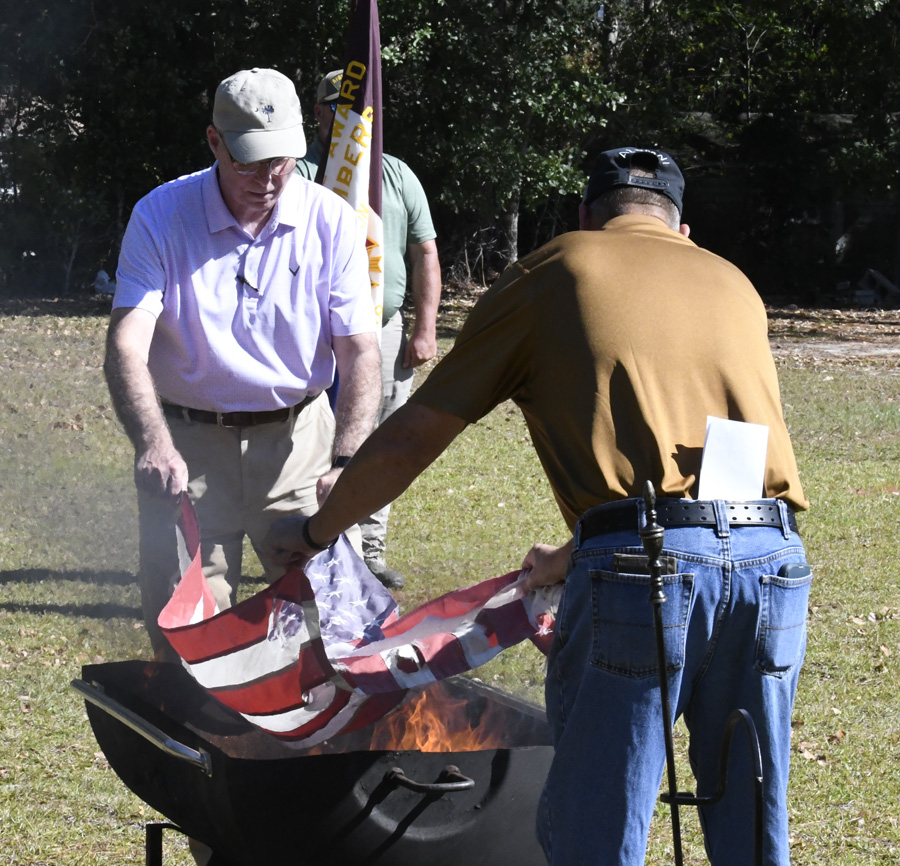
(617, 342)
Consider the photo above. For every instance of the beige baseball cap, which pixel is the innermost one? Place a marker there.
(258, 113)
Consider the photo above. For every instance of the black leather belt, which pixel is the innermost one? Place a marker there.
(235, 419)
(672, 513)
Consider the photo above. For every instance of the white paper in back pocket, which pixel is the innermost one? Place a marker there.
(734, 460)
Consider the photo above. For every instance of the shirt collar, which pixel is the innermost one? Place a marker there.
(287, 207)
(219, 218)
(642, 222)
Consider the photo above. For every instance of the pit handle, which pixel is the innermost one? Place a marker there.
(95, 694)
(454, 781)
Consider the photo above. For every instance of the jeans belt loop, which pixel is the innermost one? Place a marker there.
(784, 511)
(642, 514)
(723, 530)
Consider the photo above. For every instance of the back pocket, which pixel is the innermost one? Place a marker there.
(624, 631)
(781, 640)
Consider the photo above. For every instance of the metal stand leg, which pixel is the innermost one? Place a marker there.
(652, 538)
(153, 841)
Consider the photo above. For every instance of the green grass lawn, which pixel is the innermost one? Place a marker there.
(68, 547)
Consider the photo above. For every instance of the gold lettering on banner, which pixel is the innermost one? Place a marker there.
(360, 135)
(350, 157)
(351, 141)
(356, 70)
(345, 175)
(375, 246)
(337, 130)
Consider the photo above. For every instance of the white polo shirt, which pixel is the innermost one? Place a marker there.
(243, 323)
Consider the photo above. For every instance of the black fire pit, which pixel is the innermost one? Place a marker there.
(256, 800)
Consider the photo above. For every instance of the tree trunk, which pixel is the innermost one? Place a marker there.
(509, 222)
(73, 252)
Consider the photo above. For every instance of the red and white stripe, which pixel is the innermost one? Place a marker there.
(268, 659)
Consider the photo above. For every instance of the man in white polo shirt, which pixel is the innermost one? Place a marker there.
(240, 290)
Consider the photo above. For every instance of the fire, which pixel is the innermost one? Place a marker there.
(436, 721)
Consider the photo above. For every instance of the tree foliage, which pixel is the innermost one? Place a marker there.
(795, 102)
(100, 101)
(498, 105)
(505, 94)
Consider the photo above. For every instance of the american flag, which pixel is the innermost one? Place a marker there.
(322, 651)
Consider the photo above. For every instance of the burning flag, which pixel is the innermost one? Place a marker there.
(352, 166)
(322, 652)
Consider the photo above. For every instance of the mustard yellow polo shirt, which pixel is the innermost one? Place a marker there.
(616, 345)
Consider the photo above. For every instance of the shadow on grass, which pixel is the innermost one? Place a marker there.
(100, 610)
(78, 305)
(37, 575)
(103, 611)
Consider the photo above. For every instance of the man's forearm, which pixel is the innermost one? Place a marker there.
(133, 392)
(425, 280)
(359, 394)
(158, 467)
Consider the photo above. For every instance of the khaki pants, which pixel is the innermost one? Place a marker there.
(241, 480)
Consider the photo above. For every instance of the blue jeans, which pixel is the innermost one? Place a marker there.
(735, 636)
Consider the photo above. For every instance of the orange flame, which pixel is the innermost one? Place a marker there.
(437, 722)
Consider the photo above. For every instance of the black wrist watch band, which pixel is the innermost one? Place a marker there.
(308, 541)
(340, 462)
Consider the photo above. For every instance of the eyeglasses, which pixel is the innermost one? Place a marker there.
(332, 105)
(277, 167)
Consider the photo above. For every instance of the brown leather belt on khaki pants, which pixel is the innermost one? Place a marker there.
(236, 419)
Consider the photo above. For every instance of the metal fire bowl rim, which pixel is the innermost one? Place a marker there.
(237, 738)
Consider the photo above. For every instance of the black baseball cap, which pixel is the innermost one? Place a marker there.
(613, 168)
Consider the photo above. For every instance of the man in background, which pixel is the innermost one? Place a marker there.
(409, 244)
(617, 343)
(240, 290)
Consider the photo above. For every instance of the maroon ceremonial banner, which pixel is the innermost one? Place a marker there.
(322, 652)
(352, 166)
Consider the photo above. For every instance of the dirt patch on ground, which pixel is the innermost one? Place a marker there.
(73, 307)
(809, 336)
(867, 337)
